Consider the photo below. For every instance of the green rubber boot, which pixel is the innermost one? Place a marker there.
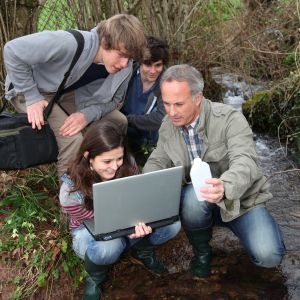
(143, 252)
(96, 276)
(199, 239)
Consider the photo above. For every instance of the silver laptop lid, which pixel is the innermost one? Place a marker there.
(123, 203)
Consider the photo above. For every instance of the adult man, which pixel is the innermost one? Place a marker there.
(221, 136)
(36, 64)
(143, 105)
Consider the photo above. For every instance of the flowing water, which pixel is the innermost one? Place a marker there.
(278, 167)
(285, 207)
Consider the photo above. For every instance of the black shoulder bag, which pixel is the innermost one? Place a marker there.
(23, 147)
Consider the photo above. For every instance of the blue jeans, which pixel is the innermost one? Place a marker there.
(257, 230)
(108, 252)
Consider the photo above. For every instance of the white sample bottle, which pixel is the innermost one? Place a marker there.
(199, 172)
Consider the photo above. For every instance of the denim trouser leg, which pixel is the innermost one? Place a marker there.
(99, 252)
(260, 235)
(257, 230)
(108, 252)
(195, 214)
(161, 235)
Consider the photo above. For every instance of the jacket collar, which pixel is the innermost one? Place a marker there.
(205, 108)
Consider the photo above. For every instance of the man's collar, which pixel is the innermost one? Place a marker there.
(194, 123)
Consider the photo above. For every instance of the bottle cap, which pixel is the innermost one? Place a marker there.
(197, 159)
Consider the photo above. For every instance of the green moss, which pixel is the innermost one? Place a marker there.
(259, 98)
(277, 112)
(258, 110)
(290, 59)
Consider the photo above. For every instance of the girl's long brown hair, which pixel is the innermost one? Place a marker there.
(102, 136)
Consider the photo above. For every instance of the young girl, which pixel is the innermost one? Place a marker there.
(103, 155)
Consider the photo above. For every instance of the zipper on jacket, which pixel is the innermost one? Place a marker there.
(151, 106)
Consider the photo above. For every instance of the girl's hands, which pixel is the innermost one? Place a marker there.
(140, 231)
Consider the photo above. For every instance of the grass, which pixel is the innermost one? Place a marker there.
(34, 236)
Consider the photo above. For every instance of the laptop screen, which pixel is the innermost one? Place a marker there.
(122, 203)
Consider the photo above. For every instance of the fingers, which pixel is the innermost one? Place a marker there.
(215, 192)
(214, 181)
(141, 230)
(69, 129)
(35, 114)
(36, 119)
(73, 124)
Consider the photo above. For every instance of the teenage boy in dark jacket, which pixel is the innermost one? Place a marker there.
(143, 105)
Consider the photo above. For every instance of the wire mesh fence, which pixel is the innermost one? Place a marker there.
(63, 14)
(54, 15)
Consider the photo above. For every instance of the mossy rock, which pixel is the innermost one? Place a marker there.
(267, 111)
(261, 112)
(259, 99)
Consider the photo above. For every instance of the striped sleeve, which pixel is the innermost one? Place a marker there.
(72, 203)
(77, 211)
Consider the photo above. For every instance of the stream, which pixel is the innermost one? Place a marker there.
(276, 164)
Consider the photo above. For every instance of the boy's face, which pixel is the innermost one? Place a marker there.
(114, 60)
(151, 72)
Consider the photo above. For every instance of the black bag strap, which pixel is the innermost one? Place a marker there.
(80, 41)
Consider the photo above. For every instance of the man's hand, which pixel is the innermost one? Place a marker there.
(140, 231)
(215, 192)
(73, 124)
(35, 113)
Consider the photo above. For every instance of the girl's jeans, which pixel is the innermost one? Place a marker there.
(257, 230)
(108, 252)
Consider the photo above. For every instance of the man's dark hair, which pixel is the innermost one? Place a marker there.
(158, 51)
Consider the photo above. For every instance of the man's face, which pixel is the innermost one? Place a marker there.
(178, 102)
(151, 72)
(114, 60)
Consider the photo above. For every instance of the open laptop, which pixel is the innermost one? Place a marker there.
(120, 204)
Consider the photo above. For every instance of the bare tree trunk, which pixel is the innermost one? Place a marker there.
(170, 20)
(17, 18)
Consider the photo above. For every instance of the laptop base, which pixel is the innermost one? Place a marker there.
(89, 224)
